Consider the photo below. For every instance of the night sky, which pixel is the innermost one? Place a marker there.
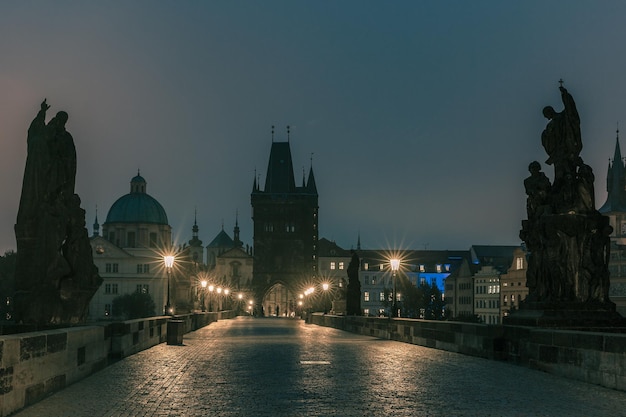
(420, 118)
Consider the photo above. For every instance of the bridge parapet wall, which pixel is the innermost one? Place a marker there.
(35, 364)
(591, 356)
(32, 365)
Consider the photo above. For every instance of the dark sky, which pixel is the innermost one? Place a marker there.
(421, 117)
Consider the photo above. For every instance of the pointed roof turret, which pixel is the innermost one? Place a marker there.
(615, 182)
(280, 178)
(238, 243)
(311, 187)
(96, 225)
(194, 232)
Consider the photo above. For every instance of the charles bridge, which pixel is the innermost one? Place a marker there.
(244, 366)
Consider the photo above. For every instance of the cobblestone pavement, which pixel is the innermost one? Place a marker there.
(283, 367)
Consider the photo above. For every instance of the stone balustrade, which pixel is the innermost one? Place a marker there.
(597, 357)
(36, 364)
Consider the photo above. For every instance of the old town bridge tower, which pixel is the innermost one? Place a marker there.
(285, 219)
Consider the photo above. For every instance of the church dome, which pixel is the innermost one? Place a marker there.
(137, 206)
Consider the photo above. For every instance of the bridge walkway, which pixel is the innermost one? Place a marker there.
(284, 367)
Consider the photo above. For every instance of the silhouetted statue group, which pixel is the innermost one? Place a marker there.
(55, 276)
(566, 237)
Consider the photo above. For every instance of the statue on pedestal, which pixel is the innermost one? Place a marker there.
(566, 237)
(55, 277)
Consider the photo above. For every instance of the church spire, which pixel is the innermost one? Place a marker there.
(96, 225)
(195, 242)
(236, 239)
(615, 182)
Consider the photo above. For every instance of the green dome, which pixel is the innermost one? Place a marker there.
(137, 206)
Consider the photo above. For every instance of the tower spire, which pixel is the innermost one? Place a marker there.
(96, 225)
(236, 239)
(615, 181)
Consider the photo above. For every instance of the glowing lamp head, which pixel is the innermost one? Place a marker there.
(211, 288)
(203, 283)
(325, 286)
(395, 264)
(169, 261)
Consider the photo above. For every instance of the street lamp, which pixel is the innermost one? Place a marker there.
(226, 292)
(204, 283)
(325, 287)
(169, 263)
(395, 265)
(211, 288)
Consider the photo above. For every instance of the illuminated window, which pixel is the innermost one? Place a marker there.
(447, 266)
(519, 263)
(382, 296)
(374, 280)
(366, 266)
(438, 267)
(366, 296)
(422, 268)
(366, 311)
(380, 267)
(332, 265)
(340, 265)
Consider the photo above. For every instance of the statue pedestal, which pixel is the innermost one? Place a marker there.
(567, 315)
(339, 307)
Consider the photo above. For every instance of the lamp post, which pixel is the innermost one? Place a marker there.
(395, 265)
(203, 283)
(169, 263)
(226, 298)
(239, 302)
(325, 287)
(211, 288)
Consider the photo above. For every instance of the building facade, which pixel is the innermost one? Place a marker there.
(513, 287)
(129, 253)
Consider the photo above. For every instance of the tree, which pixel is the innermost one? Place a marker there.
(423, 301)
(433, 302)
(133, 306)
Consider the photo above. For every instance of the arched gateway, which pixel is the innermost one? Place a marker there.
(285, 235)
(280, 301)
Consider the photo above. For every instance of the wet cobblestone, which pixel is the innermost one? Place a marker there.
(282, 367)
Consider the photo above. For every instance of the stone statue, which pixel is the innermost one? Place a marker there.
(353, 296)
(538, 190)
(55, 276)
(561, 137)
(566, 238)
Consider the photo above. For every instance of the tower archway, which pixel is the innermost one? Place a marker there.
(279, 301)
